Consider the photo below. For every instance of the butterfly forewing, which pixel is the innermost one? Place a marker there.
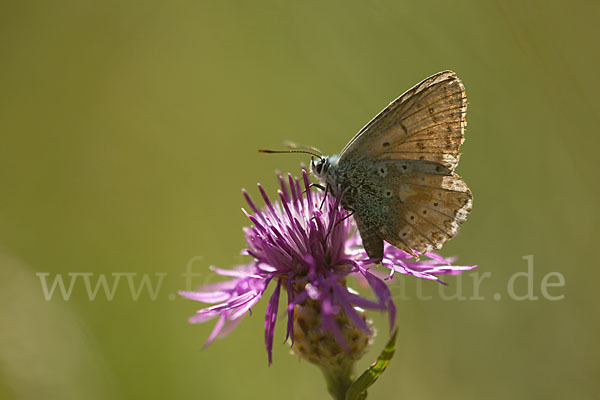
(425, 123)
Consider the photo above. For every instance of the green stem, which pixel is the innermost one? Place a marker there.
(338, 381)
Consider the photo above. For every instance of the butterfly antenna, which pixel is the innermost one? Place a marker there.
(289, 151)
(295, 146)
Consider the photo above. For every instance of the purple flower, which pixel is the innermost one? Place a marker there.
(307, 246)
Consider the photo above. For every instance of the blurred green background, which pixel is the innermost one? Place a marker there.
(128, 129)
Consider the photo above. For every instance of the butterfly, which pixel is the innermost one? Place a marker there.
(396, 175)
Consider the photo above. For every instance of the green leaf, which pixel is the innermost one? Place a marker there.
(358, 389)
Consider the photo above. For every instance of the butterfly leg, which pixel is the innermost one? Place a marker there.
(351, 213)
(346, 208)
(312, 185)
(340, 221)
(324, 197)
(318, 186)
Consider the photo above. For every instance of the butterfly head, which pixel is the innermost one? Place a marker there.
(321, 166)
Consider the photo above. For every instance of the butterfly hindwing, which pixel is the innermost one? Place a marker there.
(371, 238)
(425, 210)
(412, 204)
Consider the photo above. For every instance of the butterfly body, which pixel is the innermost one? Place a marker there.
(397, 174)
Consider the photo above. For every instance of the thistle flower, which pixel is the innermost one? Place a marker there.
(306, 245)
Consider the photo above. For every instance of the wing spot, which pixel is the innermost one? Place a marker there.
(412, 217)
(431, 110)
(386, 144)
(422, 158)
(404, 167)
(424, 212)
(435, 204)
(388, 193)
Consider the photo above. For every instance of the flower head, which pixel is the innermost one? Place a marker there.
(306, 244)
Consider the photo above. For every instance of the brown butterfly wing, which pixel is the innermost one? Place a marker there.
(412, 204)
(425, 207)
(402, 169)
(425, 123)
(372, 239)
